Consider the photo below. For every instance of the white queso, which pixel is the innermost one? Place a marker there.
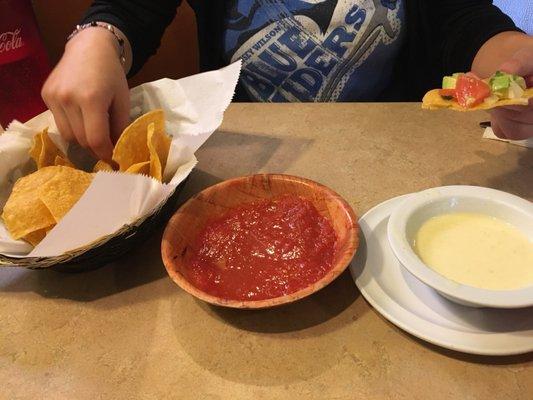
(476, 250)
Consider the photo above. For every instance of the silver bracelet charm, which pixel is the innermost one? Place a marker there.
(110, 28)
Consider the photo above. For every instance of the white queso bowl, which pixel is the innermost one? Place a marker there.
(407, 219)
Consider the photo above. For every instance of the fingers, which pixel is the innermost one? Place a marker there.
(496, 128)
(516, 114)
(506, 128)
(120, 113)
(75, 119)
(515, 108)
(520, 64)
(67, 114)
(81, 118)
(60, 117)
(96, 122)
(62, 122)
(85, 124)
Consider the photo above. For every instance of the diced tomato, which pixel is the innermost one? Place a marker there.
(470, 90)
(447, 93)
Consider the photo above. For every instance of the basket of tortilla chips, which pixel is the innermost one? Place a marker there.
(40, 200)
(69, 215)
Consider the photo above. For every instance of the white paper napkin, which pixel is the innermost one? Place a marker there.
(489, 134)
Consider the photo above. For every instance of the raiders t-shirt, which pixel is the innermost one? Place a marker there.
(313, 50)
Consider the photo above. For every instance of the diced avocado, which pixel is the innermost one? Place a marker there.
(457, 74)
(449, 82)
(500, 83)
(506, 85)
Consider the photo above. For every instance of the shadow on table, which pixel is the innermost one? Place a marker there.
(126, 273)
(472, 358)
(232, 154)
(271, 347)
(517, 181)
(308, 312)
(198, 181)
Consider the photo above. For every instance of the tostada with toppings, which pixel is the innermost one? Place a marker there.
(468, 92)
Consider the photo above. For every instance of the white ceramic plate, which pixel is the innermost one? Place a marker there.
(419, 310)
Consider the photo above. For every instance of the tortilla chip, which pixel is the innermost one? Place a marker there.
(159, 146)
(34, 238)
(63, 191)
(49, 151)
(45, 153)
(24, 212)
(132, 147)
(37, 147)
(63, 162)
(102, 166)
(140, 168)
(433, 101)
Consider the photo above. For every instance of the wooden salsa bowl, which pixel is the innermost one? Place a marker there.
(188, 221)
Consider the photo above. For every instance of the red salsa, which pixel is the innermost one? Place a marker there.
(263, 250)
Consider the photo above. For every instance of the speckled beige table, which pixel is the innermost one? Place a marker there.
(127, 332)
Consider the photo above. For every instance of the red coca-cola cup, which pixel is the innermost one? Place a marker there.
(23, 62)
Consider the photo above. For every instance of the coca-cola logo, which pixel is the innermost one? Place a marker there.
(10, 41)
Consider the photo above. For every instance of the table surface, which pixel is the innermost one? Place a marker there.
(126, 331)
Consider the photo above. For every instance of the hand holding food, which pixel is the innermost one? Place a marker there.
(516, 122)
(508, 95)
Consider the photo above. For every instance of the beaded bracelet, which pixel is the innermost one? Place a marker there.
(110, 28)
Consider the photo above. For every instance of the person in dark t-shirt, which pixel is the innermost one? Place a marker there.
(291, 50)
